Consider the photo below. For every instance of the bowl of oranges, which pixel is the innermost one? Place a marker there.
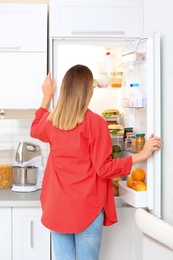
(134, 190)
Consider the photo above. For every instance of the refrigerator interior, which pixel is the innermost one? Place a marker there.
(92, 53)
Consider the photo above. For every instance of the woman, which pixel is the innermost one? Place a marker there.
(77, 196)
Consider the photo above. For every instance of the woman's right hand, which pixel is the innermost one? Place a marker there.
(152, 144)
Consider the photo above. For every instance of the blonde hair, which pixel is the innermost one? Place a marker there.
(75, 94)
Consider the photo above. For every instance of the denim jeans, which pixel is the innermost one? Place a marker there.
(84, 245)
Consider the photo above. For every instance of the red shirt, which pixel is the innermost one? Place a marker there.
(77, 179)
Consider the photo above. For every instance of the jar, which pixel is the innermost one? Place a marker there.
(133, 140)
(127, 130)
(116, 79)
(103, 80)
(140, 141)
(128, 142)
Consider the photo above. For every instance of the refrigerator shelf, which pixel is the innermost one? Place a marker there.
(133, 57)
(137, 199)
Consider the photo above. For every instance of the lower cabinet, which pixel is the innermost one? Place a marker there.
(22, 236)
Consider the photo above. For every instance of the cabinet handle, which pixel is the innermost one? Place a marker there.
(31, 233)
(97, 32)
(9, 47)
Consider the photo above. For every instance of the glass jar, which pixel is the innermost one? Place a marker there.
(116, 79)
(133, 140)
(128, 142)
(103, 80)
(140, 141)
(127, 130)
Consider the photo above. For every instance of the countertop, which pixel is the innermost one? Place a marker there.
(9, 198)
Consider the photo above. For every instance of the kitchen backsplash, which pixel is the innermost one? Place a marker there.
(13, 131)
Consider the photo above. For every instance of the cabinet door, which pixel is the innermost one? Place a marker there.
(118, 18)
(22, 75)
(5, 233)
(31, 240)
(23, 27)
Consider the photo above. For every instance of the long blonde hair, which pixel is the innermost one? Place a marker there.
(75, 94)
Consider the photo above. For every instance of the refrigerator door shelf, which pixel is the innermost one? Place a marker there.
(134, 198)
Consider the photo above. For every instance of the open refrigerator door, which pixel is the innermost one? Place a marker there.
(151, 198)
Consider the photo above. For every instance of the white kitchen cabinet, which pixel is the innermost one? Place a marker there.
(31, 240)
(23, 54)
(22, 236)
(111, 18)
(5, 234)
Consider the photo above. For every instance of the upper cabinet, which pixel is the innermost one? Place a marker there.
(101, 18)
(22, 27)
(23, 54)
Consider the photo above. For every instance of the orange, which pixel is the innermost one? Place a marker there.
(138, 174)
(129, 181)
(138, 186)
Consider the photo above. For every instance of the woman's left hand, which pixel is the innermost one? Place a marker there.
(48, 89)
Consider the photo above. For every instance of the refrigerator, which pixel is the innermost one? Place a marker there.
(139, 61)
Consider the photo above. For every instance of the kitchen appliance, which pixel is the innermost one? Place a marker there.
(97, 33)
(28, 170)
(139, 60)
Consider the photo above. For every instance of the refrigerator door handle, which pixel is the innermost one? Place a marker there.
(154, 227)
(97, 32)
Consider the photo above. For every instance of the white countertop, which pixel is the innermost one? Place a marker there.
(9, 198)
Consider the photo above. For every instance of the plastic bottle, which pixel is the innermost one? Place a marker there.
(107, 62)
(137, 98)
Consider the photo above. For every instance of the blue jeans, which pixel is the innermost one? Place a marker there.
(84, 245)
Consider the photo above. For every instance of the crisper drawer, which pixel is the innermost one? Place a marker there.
(23, 27)
(96, 18)
(132, 197)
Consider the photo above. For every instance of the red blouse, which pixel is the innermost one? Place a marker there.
(77, 179)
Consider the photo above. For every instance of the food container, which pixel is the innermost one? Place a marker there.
(116, 79)
(103, 80)
(5, 176)
(24, 176)
(140, 141)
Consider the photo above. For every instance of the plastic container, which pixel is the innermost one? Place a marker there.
(133, 145)
(103, 80)
(5, 176)
(140, 141)
(116, 79)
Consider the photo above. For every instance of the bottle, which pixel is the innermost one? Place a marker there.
(134, 89)
(128, 142)
(133, 140)
(140, 141)
(107, 62)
